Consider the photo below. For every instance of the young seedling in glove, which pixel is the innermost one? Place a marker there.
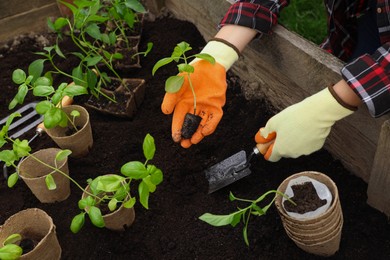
(199, 89)
(174, 83)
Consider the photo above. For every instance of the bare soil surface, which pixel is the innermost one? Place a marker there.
(170, 229)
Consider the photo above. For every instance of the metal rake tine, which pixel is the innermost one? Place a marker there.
(20, 110)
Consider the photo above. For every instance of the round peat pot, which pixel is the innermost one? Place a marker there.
(117, 220)
(80, 142)
(320, 233)
(33, 173)
(35, 226)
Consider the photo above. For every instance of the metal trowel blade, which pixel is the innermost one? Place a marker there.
(227, 171)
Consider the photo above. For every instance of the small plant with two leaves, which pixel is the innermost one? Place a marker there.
(174, 83)
(10, 249)
(242, 214)
(53, 98)
(114, 191)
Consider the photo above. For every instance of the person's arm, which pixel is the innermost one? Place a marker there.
(369, 77)
(237, 35)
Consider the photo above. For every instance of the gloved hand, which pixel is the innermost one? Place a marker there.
(209, 82)
(302, 128)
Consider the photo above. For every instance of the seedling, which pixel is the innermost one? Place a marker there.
(114, 189)
(174, 83)
(243, 214)
(51, 106)
(10, 249)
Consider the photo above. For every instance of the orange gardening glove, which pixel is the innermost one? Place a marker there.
(209, 82)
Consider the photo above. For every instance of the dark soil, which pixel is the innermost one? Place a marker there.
(170, 229)
(305, 198)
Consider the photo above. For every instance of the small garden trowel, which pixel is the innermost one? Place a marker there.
(230, 170)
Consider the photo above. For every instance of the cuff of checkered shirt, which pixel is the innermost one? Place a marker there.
(250, 15)
(368, 77)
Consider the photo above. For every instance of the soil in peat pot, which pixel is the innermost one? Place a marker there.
(170, 229)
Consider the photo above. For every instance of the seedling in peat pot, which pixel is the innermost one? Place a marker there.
(10, 248)
(174, 83)
(243, 214)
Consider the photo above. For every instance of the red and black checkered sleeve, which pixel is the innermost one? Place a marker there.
(369, 77)
(260, 15)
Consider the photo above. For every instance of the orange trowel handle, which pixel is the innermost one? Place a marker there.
(66, 101)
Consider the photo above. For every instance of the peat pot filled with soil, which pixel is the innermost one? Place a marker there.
(34, 169)
(80, 141)
(126, 98)
(315, 222)
(117, 220)
(38, 234)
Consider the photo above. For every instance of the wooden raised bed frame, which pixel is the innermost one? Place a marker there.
(283, 68)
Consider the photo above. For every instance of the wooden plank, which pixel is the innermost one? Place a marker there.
(379, 185)
(285, 68)
(14, 7)
(27, 22)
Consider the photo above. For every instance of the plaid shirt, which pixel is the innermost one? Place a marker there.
(368, 75)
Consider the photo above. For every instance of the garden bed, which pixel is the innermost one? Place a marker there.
(170, 229)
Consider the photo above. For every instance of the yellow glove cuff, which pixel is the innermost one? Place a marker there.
(222, 53)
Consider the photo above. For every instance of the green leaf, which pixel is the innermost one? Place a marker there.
(12, 239)
(43, 106)
(77, 75)
(58, 51)
(75, 113)
(112, 204)
(50, 183)
(19, 97)
(36, 68)
(129, 203)
(245, 235)
(93, 30)
(156, 175)
(42, 81)
(134, 169)
(77, 223)
(8, 156)
(75, 90)
(110, 183)
(232, 197)
(149, 147)
(174, 83)
(10, 251)
(59, 23)
(43, 91)
(185, 68)
(18, 76)
(205, 56)
(53, 117)
(143, 191)
(95, 215)
(21, 148)
(218, 220)
(135, 5)
(92, 61)
(12, 179)
(63, 154)
(151, 187)
(161, 63)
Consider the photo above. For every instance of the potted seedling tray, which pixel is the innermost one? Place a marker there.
(124, 98)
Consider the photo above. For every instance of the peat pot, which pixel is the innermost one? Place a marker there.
(79, 142)
(33, 173)
(38, 232)
(119, 219)
(128, 97)
(317, 231)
